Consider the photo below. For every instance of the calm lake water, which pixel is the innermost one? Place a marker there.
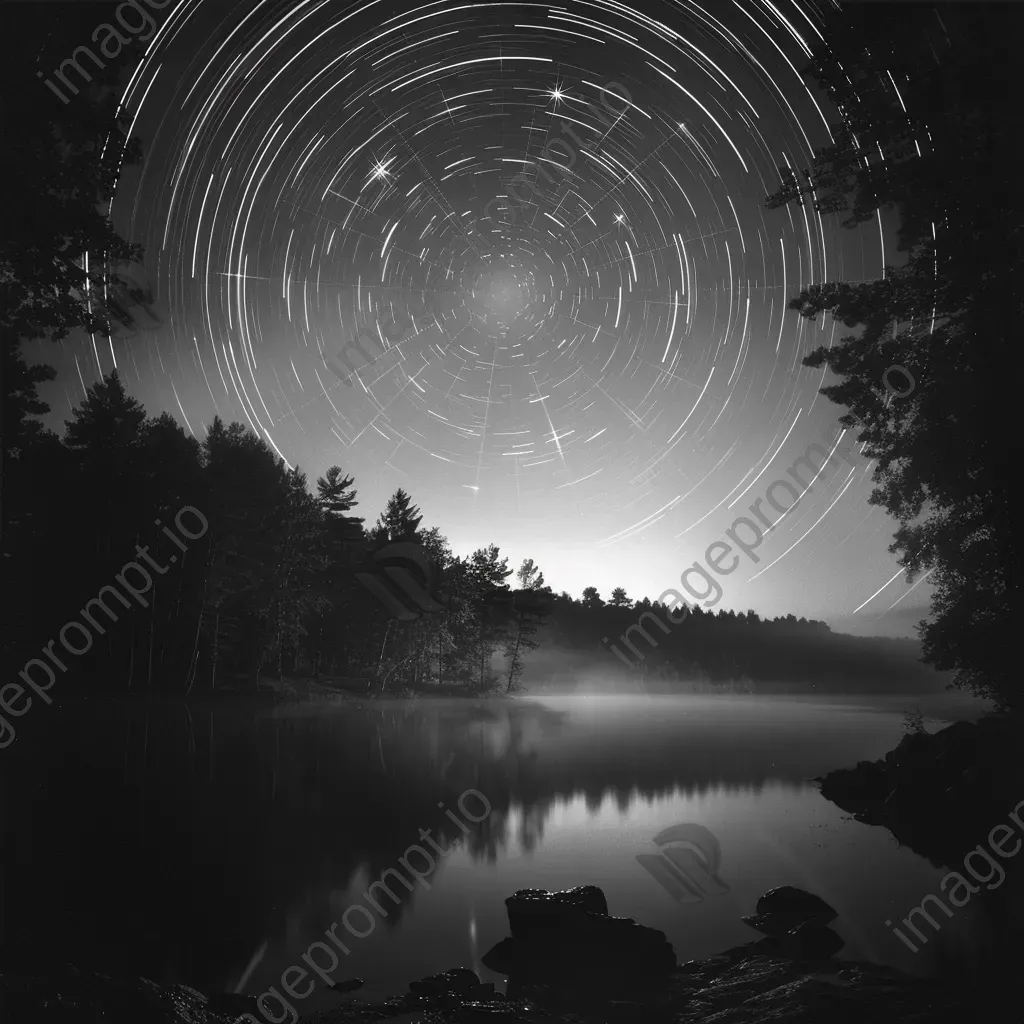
(213, 846)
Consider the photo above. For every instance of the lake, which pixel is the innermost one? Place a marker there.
(212, 845)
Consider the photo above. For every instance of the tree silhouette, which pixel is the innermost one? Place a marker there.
(487, 573)
(946, 317)
(400, 519)
(337, 496)
(108, 421)
(105, 433)
(529, 610)
(63, 265)
(529, 575)
(21, 403)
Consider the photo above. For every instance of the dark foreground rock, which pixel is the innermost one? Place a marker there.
(785, 909)
(568, 963)
(70, 996)
(531, 911)
(754, 990)
(568, 938)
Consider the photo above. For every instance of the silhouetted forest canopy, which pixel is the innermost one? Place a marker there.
(270, 587)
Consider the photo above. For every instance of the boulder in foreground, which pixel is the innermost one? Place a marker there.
(567, 938)
(781, 910)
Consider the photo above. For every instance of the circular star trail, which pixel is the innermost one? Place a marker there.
(511, 248)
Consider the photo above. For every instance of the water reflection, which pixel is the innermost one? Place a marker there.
(212, 846)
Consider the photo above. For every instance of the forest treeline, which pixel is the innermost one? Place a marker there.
(267, 588)
(261, 577)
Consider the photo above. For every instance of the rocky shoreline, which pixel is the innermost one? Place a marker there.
(567, 962)
(720, 990)
(938, 793)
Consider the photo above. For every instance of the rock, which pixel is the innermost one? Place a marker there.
(787, 899)
(72, 996)
(487, 1013)
(855, 789)
(812, 941)
(460, 981)
(232, 1004)
(630, 1012)
(567, 938)
(775, 925)
(809, 941)
(351, 985)
(915, 742)
(956, 745)
(747, 989)
(772, 947)
(605, 945)
(782, 910)
(533, 910)
(764, 991)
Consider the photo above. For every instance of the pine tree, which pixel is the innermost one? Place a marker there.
(337, 496)
(400, 519)
(105, 436)
(529, 575)
(487, 573)
(107, 424)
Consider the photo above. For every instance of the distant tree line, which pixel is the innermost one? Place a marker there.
(271, 587)
(657, 646)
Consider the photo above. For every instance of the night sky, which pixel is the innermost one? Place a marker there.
(602, 376)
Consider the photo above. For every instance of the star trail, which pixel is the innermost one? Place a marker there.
(550, 221)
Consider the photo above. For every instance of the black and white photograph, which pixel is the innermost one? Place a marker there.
(507, 512)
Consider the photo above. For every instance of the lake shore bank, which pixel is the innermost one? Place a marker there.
(792, 978)
(718, 990)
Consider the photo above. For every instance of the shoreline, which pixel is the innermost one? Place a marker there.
(772, 979)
